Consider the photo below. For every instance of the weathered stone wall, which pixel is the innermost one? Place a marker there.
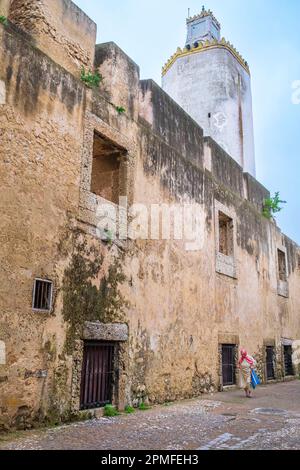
(177, 309)
(60, 29)
(120, 78)
(4, 7)
(40, 128)
(248, 306)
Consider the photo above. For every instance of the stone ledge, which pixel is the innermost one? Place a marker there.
(228, 338)
(283, 289)
(105, 331)
(229, 388)
(226, 265)
(290, 378)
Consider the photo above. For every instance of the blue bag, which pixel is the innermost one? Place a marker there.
(255, 381)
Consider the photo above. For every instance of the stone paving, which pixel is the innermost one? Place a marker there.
(270, 420)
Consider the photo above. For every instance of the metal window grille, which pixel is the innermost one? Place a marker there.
(270, 359)
(228, 364)
(288, 360)
(97, 374)
(42, 295)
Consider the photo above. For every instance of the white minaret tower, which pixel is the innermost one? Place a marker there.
(211, 81)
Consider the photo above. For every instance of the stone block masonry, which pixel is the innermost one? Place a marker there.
(60, 29)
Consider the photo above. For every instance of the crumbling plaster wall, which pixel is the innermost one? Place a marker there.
(41, 134)
(178, 309)
(60, 29)
(4, 7)
(190, 296)
(43, 126)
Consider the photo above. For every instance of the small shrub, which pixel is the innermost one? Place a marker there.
(92, 80)
(120, 110)
(110, 410)
(272, 206)
(3, 20)
(129, 410)
(144, 407)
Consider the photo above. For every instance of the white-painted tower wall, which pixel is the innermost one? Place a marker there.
(211, 82)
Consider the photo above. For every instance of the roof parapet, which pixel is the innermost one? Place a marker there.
(204, 13)
(223, 44)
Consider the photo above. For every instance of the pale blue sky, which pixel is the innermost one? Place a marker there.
(268, 36)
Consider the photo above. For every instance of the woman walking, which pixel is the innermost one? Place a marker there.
(246, 364)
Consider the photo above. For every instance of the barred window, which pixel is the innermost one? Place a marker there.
(42, 295)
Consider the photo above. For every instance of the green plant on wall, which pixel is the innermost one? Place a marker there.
(92, 80)
(120, 110)
(272, 206)
(3, 20)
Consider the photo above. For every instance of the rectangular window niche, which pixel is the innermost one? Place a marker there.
(106, 172)
(282, 273)
(225, 229)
